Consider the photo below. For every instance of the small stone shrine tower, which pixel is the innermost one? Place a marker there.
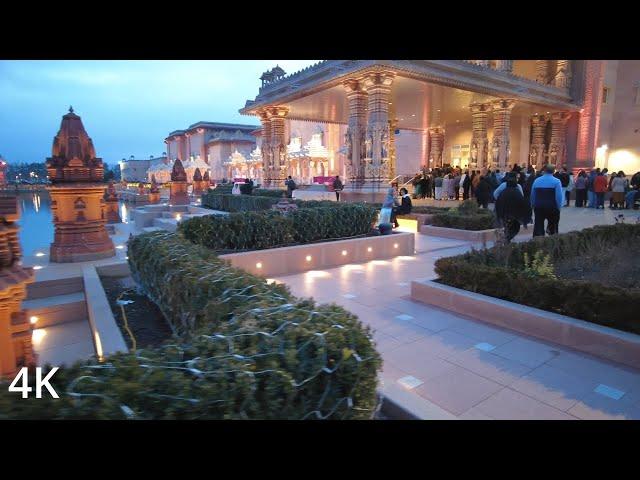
(178, 191)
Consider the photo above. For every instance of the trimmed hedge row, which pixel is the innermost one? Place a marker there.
(499, 272)
(260, 230)
(467, 216)
(246, 350)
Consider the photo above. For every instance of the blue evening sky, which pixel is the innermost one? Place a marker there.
(127, 107)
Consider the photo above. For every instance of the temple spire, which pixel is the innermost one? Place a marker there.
(70, 109)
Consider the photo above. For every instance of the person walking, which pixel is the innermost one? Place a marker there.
(457, 184)
(437, 182)
(291, 186)
(565, 181)
(337, 187)
(483, 192)
(581, 189)
(511, 208)
(600, 188)
(465, 184)
(591, 181)
(546, 200)
(618, 188)
(425, 186)
(610, 187)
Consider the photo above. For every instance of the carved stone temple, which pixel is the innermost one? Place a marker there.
(16, 349)
(77, 196)
(178, 194)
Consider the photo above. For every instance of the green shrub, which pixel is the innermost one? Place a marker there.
(246, 350)
(259, 230)
(454, 219)
(323, 223)
(239, 231)
(500, 272)
(266, 192)
(237, 203)
(429, 210)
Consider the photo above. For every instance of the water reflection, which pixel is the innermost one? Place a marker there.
(36, 221)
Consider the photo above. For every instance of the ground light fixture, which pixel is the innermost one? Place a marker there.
(40, 254)
(369, 249)
(259, 265)
(33, 320)
(308, 258)
(344, 253)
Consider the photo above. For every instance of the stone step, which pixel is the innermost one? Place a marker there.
(54, 287)
(165, 224)
(56, 309)
(151, 229)
(64, 344)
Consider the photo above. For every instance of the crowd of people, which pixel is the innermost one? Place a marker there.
(521, 193)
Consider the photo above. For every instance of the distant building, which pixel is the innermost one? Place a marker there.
(134, 170)
(212, 143)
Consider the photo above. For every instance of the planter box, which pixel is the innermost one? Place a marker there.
(458, 234)
(598, 340)
(289, 260)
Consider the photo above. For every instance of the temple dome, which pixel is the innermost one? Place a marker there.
(73, 157)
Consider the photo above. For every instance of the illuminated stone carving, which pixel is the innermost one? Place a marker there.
(479, 140)
(111, 201)
(16, 349)
(178, 191)
(500, 143)
(538, 148)
(77, 194)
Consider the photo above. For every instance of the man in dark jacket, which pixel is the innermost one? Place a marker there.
(546, 199)
(484, 192)
(404, 208)
(337, 187)
(511, 208)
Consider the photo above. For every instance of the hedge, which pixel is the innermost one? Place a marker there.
(246, 203)
(260, 230)
(245, 350)
(467, 216)
(499, 272)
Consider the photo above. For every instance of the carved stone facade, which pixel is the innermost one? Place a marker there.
(500, 143)
(356, 132)
(538, 148)
(544, 72)
(479, 147)
(436, 146)
(278, 145)
(178, 190)
(589, 122)
(377, 162)
(557, 154)
(77, 196)
(265, 149)
(16, 349)
(111, 201)
(563, 74)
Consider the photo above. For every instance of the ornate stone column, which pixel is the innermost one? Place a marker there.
(589, 122)
(537, 148)
(563, 74)
(265, 148)
(377, 162)
(543, 71)
(500, 144)
(436, 146)
(504, 65)
(482, 63)
(277, 117)
(392, 147)
(558, 143)
(479, 141)
(355, 136)
(16, 349)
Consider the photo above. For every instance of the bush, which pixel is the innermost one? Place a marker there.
(246, 350)
(467, 216)
(237, 203)
(259, 230)
(502, 272)
(324, 223)
(239, 231)
(429, 210)
(265, 192)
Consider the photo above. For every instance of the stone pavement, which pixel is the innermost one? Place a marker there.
(450, 366)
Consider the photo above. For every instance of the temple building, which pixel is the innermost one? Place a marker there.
(135, 170)
(16, 349)
(77, 196)
(209, 143)
(394, 117)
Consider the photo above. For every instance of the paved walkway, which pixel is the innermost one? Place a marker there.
(449, 366)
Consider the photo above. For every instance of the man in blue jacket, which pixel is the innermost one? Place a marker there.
(546, 200)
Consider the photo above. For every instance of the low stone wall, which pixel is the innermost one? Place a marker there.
(482, 236)
(317, 256)
(598, 340)
(107, 337)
